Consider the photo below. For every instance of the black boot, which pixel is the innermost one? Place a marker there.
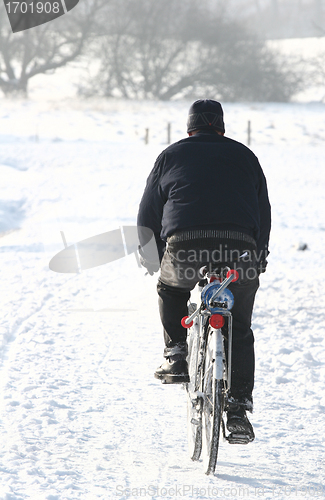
(173, 371)
(238, 425)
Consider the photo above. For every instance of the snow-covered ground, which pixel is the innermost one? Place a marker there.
(81, 416)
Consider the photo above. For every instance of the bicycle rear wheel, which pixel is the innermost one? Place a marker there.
(194, 403)
(212, 413)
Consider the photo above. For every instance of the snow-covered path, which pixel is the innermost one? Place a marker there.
(81, 416)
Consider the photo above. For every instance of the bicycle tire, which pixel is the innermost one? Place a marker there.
(194, 404)
(212, 415)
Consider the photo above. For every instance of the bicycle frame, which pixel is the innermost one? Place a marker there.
(219, 353)
(219, 349)
(210, 372)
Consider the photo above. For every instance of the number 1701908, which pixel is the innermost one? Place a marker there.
(33, 7)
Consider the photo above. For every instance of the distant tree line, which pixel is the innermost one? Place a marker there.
(168, 49)
(283, 18)
(150, 49)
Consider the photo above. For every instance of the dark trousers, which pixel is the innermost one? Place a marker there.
(179, 275)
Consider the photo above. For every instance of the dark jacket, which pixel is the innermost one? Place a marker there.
(207, 181)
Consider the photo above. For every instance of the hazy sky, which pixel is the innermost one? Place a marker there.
(282, 18)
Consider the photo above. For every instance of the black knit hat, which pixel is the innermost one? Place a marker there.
(205, 114)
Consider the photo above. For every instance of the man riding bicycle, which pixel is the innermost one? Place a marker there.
(206, 197)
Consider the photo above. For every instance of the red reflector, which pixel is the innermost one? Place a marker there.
(235, 273)
(217, 321)
(184, 325)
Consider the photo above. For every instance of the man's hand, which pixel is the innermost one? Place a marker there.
(152, 267)
(261, 266)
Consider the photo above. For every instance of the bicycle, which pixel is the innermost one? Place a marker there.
(209, 367)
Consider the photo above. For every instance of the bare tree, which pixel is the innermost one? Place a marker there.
(169, 49)
(44, 48)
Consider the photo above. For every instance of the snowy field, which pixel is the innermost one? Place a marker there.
(81, 416)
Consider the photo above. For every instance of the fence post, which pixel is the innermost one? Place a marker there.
(146, 137)
(249, 130)
(169, 133)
